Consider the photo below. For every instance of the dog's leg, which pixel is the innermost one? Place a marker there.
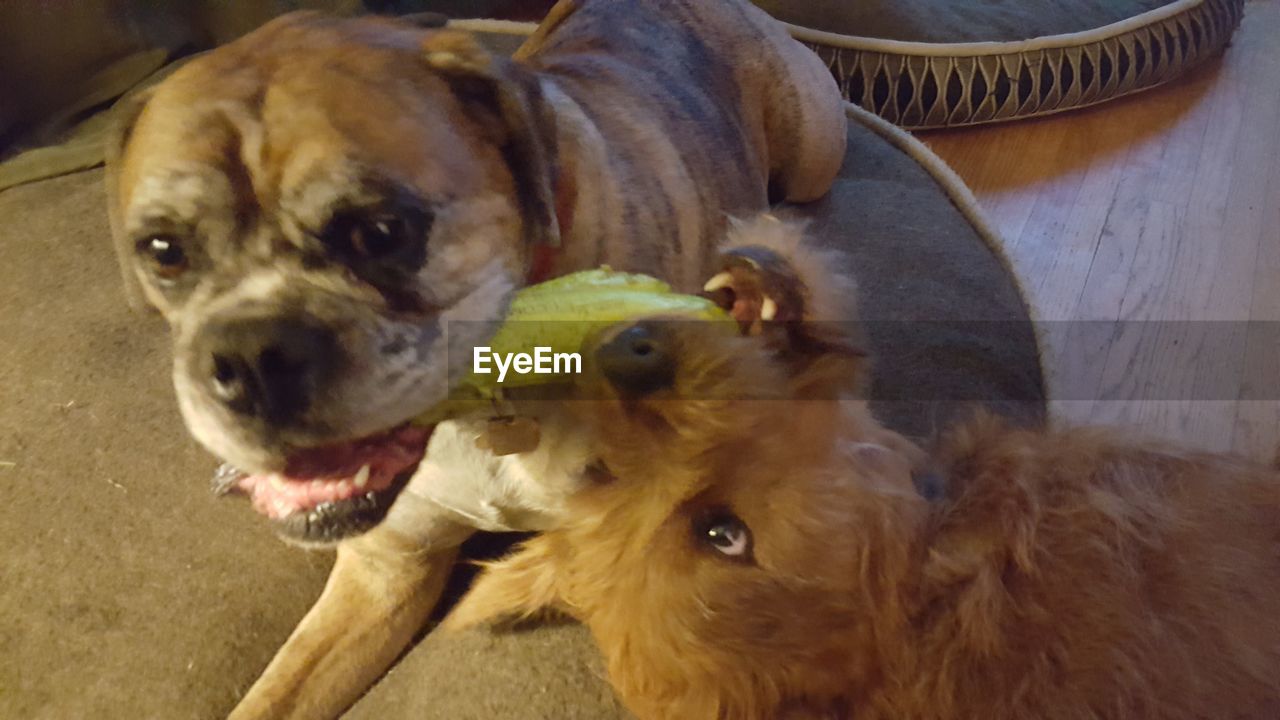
(519, 586)
(804, 117)
(382, 588)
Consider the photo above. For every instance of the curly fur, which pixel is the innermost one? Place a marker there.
(1063, 575)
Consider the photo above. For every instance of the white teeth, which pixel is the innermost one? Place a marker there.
(276, 481)
(282, 508)
(721, 280)
(362, 478)
(768, 309)
(344, 487)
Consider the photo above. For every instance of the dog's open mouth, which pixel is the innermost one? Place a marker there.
(327, 493)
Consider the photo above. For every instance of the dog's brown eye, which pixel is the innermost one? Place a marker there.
(725, 534)
(165, 253)
(384, 243)
(373, 237)
(378, 236)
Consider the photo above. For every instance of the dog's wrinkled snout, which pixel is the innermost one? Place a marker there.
(268, 368)
(638, 360)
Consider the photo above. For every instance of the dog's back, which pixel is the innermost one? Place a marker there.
(707, 103)
(1074, 576)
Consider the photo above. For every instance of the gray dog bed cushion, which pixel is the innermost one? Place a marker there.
(127, 591)
(940, 63)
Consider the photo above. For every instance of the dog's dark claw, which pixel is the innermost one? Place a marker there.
(226, 479)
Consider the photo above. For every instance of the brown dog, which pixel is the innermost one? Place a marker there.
(317, 207)
(747, 552)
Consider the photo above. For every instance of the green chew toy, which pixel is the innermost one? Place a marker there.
(560, 315)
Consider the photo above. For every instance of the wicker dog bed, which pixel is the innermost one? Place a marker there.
(940, 63)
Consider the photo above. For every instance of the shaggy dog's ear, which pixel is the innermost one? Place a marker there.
(517, 587)
(505, 98)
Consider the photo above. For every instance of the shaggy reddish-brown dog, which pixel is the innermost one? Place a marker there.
(750, 551)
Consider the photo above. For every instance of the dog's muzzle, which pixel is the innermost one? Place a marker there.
(269, 373)
(267, 370)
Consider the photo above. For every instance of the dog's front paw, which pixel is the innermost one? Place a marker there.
(757, 285)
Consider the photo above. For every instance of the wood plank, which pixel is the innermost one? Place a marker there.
(1159, 217)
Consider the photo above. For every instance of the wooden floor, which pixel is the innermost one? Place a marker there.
(1147, 232)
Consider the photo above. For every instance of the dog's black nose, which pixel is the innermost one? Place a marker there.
(269, 367)
(638, 360)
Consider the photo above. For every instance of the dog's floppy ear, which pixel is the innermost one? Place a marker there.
(125, 117)
(506, 99)
(516, 587)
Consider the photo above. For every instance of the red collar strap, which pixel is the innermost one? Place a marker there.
(542, 258)
(543, 254)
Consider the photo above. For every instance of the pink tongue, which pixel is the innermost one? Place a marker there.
(335, 472)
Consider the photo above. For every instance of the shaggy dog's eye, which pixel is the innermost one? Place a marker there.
(165, 254)
(725, 534)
